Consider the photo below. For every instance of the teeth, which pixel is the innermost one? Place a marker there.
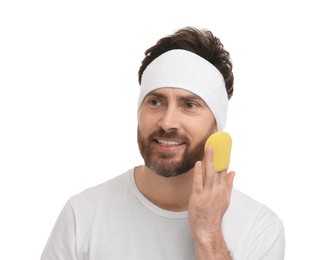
(163, 142)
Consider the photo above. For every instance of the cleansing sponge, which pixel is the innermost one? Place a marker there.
(221, 143)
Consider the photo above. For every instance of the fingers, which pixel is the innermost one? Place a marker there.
(198, 177)
(205, 177)
(209, 173)
(210, 177)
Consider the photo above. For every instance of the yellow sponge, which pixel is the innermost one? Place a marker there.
(221, 143)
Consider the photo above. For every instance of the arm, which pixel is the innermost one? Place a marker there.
(208, 203)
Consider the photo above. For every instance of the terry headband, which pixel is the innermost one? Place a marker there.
(187, 70)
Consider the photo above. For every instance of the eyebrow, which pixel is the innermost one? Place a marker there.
(179, 97)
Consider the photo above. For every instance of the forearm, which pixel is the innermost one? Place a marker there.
(213, 248)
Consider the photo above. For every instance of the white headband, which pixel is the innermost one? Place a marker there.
(186, 70)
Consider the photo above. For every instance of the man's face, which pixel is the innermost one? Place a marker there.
(173, 125)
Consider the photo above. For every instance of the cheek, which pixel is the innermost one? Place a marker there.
(145, 122)
(199, 129)
(200, 124)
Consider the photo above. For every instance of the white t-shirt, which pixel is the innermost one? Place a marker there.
(115, 221)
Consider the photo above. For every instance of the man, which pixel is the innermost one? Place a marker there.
(175, 206)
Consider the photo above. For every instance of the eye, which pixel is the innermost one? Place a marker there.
(154, 102)
(191, 105)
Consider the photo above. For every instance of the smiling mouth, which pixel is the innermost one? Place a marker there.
(169, 143)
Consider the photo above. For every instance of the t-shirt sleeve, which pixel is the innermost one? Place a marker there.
(61, 244)
(269, 243)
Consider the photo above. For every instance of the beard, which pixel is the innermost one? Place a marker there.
(164, 164)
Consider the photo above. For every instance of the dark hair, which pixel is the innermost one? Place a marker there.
(199, 41)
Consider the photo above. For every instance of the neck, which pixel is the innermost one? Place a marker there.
(167, 193)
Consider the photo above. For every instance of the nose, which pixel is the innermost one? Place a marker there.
(170, 119)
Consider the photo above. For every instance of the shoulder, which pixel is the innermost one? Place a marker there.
(247, 214)
(100, 194)
(249, 207)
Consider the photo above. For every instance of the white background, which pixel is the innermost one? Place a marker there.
(68, 91)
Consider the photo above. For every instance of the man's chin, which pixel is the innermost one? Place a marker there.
(168, 170)
(165, 156)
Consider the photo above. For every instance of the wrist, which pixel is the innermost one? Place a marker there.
(212, 246)
(208, 237)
